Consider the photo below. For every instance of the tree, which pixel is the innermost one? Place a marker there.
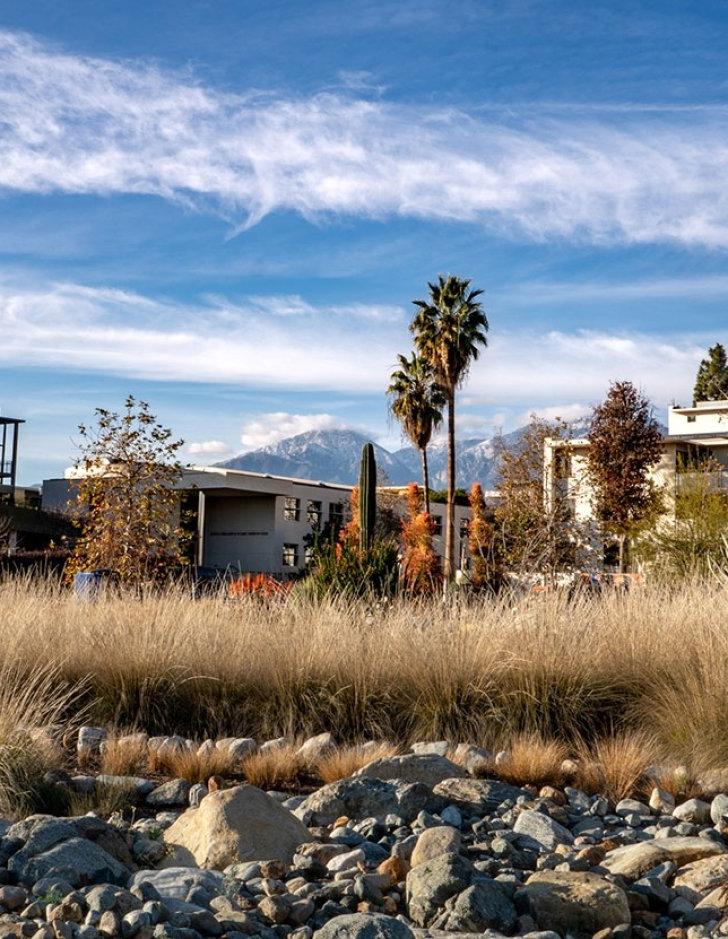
(417, 403)
(449, 328)
(711, 381)
(126, 504)
(537, 530)
(625, 444)
(420, 564)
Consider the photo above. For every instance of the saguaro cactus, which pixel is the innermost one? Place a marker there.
(367, 497)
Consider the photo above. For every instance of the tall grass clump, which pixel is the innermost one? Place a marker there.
(482, 669)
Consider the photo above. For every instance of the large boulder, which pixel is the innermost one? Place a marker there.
(695, 880)
(77, 861)
(232, 825)
(431, 884)
(478, 908)
(176, 882)
(429, 769)
(634, 860)
(361, 797)
(364, 926)
(573, 903)
(477, 796)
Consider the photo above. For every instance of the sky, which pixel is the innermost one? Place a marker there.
(226, 208)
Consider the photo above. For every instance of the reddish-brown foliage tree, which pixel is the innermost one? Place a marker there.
(421, 569)
(481, 540)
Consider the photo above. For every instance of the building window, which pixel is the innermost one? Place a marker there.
(562, 464)
(290, 555)
(336, 514)
(308, 555)
(464, 527)
(291, 509)
(313, 512)
(437, 522)
(691, 418)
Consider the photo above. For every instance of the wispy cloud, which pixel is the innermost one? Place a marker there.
(208, 448)
(262, 345)
(78, 124)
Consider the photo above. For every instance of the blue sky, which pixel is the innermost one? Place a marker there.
(226, 208)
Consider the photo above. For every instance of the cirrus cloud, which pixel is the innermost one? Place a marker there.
(79, 124)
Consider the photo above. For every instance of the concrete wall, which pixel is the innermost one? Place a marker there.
(238, 531)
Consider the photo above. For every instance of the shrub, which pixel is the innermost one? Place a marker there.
(421, 570)
(345, 761)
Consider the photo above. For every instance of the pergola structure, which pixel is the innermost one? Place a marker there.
(9, 453)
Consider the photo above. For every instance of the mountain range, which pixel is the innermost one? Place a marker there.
(333, 456)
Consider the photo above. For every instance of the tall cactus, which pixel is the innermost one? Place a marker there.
(367, 497)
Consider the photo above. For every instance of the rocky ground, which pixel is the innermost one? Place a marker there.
(411, 845)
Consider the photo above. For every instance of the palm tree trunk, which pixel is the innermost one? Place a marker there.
(426, 479)
(450, 520)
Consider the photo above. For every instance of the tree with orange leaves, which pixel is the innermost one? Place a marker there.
(481, 541)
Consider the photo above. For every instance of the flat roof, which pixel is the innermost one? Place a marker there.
(243, 474)
(11, 420)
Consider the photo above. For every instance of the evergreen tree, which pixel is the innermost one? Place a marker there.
(625, 444)
(711, 382)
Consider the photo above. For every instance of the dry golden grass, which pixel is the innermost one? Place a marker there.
(616, 765)
(123, 754)
(345, 761)
(481, 670)
(192, 765)
(273, 769)
(533, 760)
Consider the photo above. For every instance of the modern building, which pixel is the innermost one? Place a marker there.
(694, 435)
(257, 522)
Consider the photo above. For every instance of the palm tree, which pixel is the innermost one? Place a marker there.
(449, 328)
(417, 403)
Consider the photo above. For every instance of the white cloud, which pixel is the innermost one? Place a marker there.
(267, 429)
(87, 125)
(565, 412)
(260, 345)
(208, 448)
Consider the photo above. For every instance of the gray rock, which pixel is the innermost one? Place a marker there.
(477, 796)
(315, 748)
(431, 884)
(694, 811)
(79, 861)
(137, 784)
(482, 906)
(278, 743)
(632, 807)
(364, 926)
(542, 829)
(429, 769)
(197, 794)
(174, 792)
(476, 760)
(176, 882)
(356, 797)
(719, 810)
(90, 740)
(430, 747)
(240, 747)
(435, 841)
(635, 860)
(574, 903)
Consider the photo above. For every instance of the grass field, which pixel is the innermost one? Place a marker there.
(654, 661)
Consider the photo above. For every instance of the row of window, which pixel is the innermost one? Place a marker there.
(314, 511)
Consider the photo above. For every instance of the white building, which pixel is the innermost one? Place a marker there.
(257, 522)
(694, 434)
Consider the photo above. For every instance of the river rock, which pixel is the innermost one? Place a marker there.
(232, 825)
(542, 829)
(694, 880)
(442, 839)
(634, 860)
(478, 908)
(429, 769)
(431, 884)
(313, 749)
(364, 926)
(362, 797)
(577, 904)
(477, 796)
(176, 882)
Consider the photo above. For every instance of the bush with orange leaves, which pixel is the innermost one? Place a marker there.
(421, 570)
(485, 567)
(261, 586)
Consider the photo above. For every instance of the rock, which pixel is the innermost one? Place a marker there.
(434, 882)
(174, 792)
(139, 786)
(627, 807)
(634, 860)
(355, 797)
(719, 811)
(543, 829)
(232, 825)
(315, 748)
(364, 926)
(662, 802)
(713, 781)
(279, 743)
(435, 841)
(483, 906)
(430, 747)
(240, 747)
(698, 878)
(90, 740)
(429, 769)
(694, 810)
(196, 794)
(477, 796)
(79, 861)
(476, 760)
(579, 904)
